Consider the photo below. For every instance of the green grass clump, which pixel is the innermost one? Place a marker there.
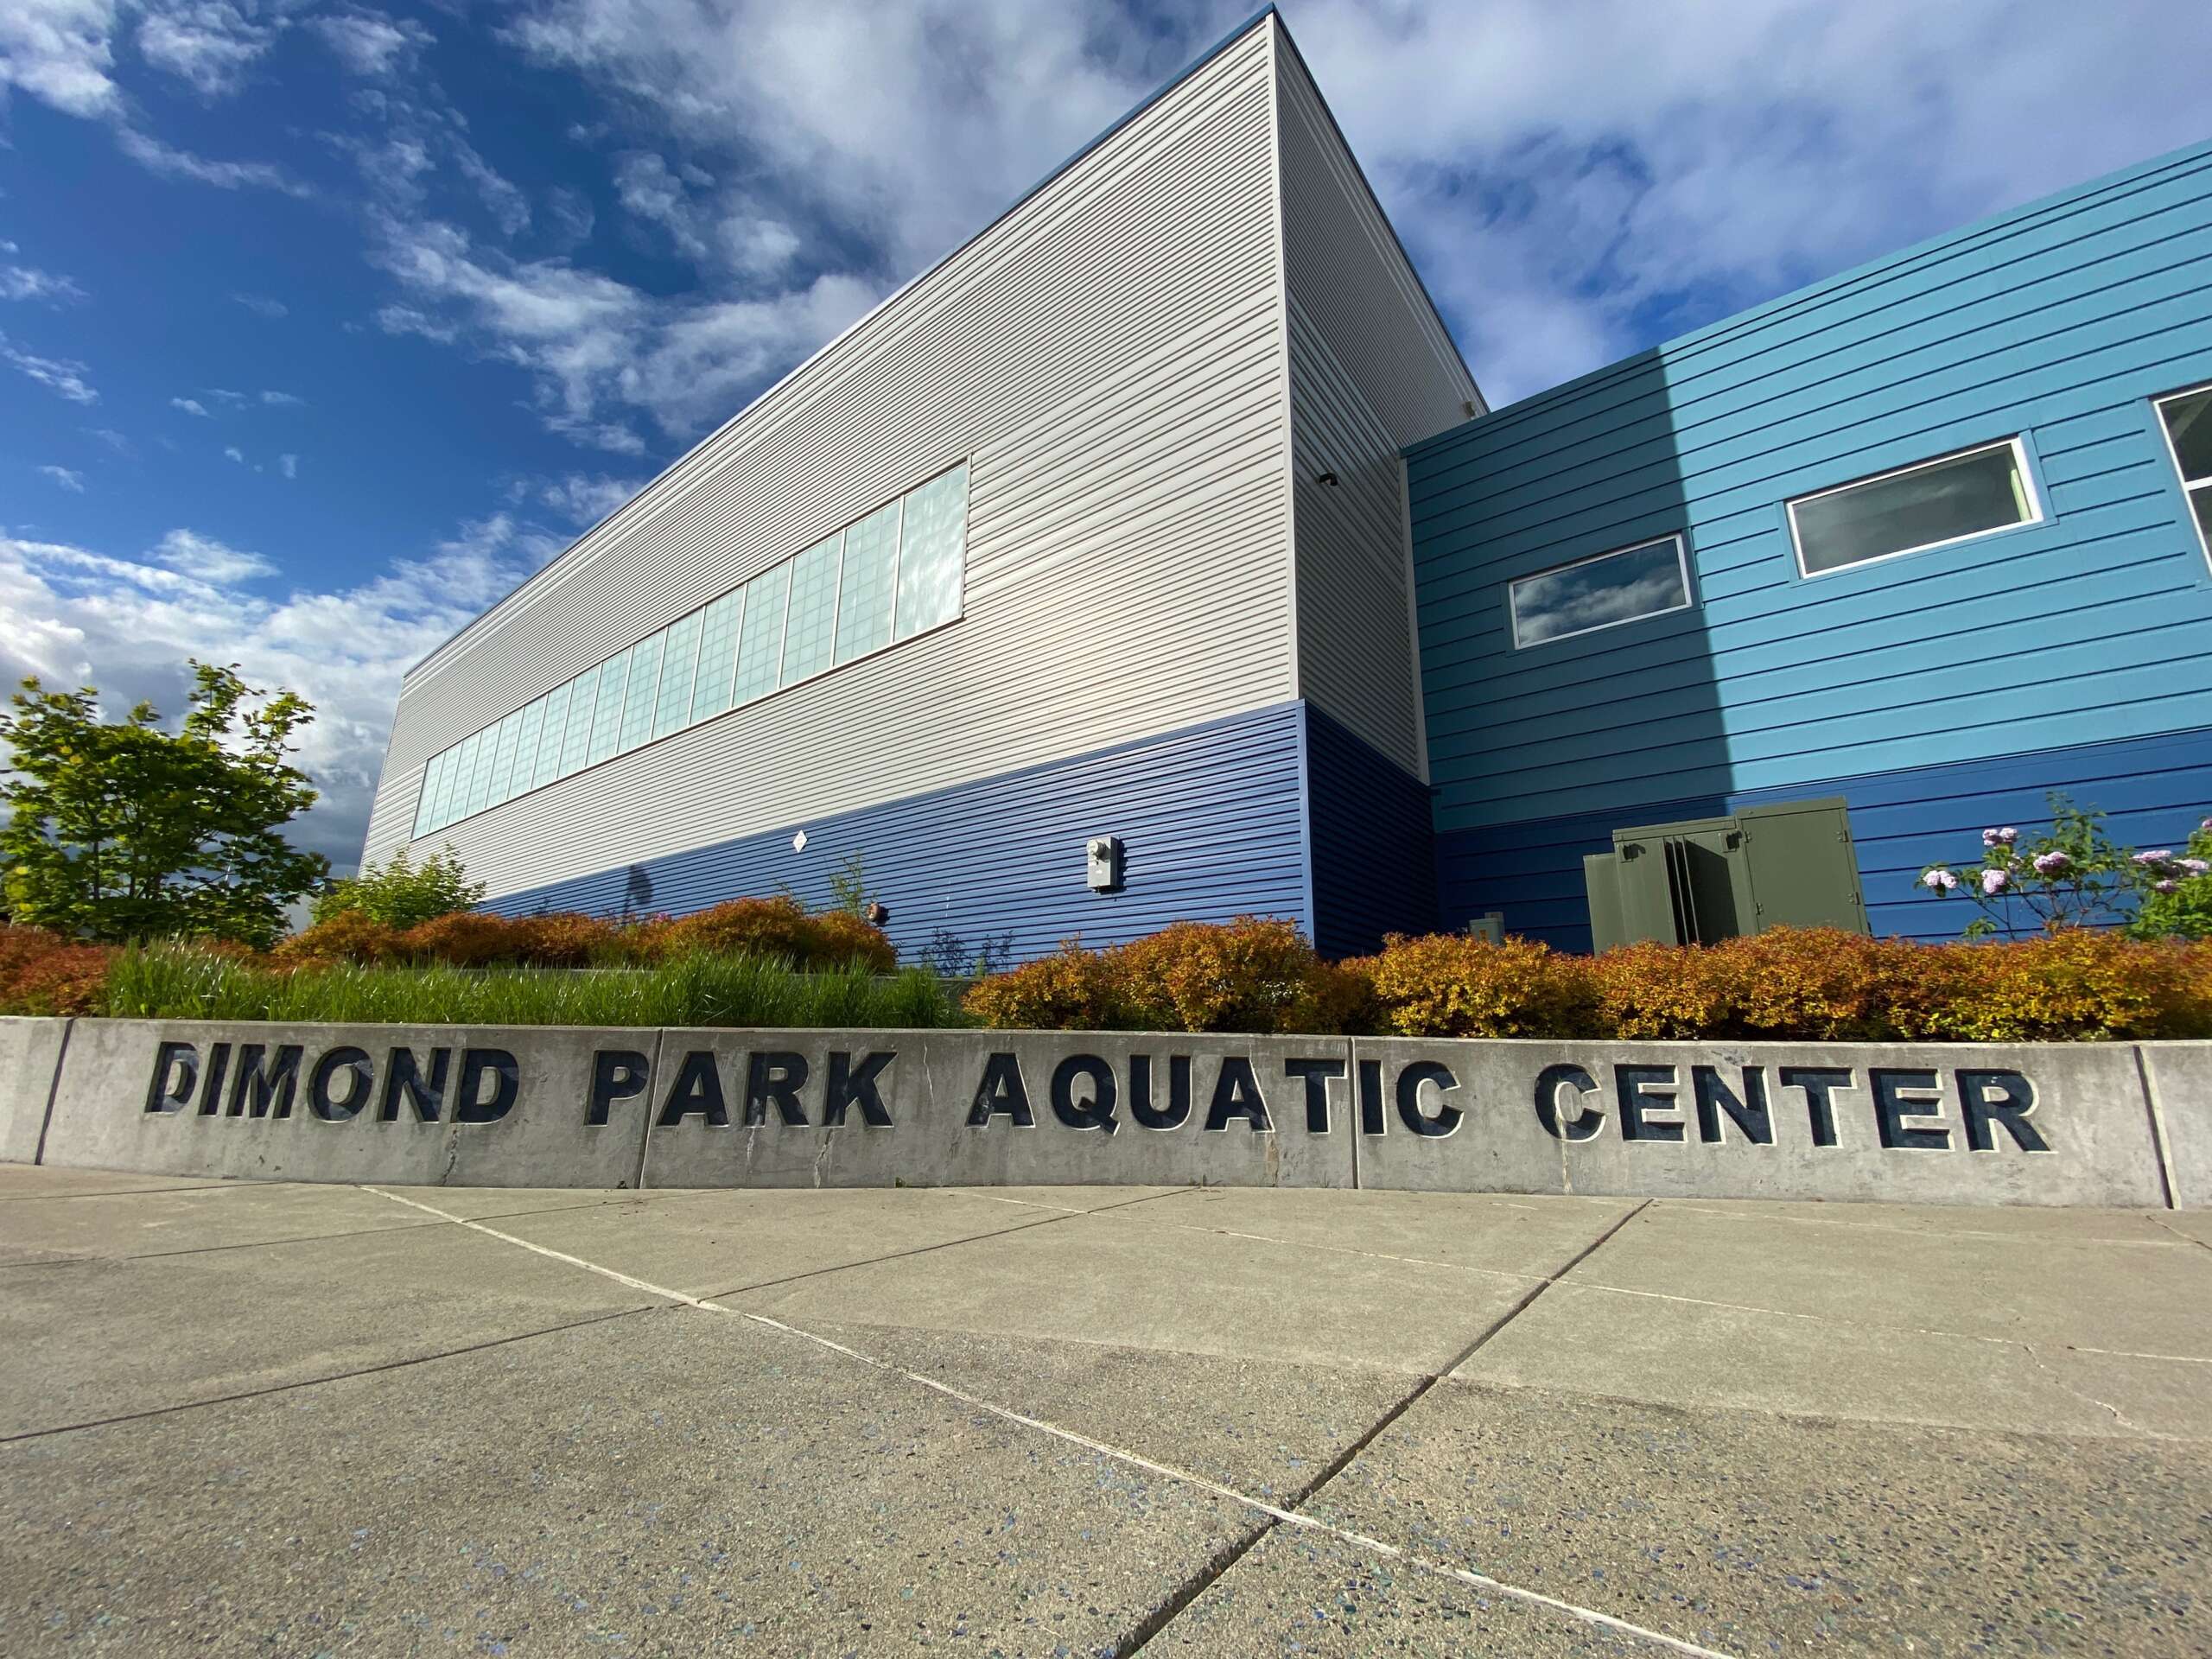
(180, 982)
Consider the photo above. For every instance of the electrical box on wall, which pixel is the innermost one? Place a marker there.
(1789, 865)
(1102, 861)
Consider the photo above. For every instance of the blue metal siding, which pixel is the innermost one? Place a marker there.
(2154, 790)
(1211, 817)
(1374, 870)
(2057, 323)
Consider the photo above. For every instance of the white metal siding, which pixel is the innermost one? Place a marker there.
(1371, 370)
(1108, 359)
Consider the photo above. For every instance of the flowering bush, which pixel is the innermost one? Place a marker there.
(2073, 876)
(2179, 903)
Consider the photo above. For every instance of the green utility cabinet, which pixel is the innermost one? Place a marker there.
(1705, 879)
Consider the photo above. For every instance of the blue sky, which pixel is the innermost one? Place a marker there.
(321, 325)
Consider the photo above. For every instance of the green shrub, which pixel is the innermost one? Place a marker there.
(2176, 890)
(401, 893)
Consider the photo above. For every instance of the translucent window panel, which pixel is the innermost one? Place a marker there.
(426, 796)
(808, 635)
(555, 730)
(1600, 593)
(605, 724)
(448, 769)
(475, 774)
(506, 738)
(718, 637)
(1908, 512)
(864, 592)
(760, 646)
(583, 698)
(645, 683)
(930, 553)
(673, 709)
(2189, 423)
(525, 768)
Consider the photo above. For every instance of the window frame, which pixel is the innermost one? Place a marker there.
(1682, 565)
(2173, 453)
(2016, 443)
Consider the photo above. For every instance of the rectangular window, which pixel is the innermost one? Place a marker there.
(1932, 505)
(883, 578)
(864, 596)
(807, 635)
(761, 651)
(2187, 417)
(1626, 585)
(718, 636)
(607, 723)
(644, 684)
(930, 553)
(557, 729)
(672, 709)
(582, 701)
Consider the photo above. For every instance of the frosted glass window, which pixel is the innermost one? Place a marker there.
(864, 592)
(556, 728)
(673, 707)
(808, 634)
(930, 553)
(426, 796)
(525, 762)
(644, 684)
(475, 773)
(760, 649)
(718, 640)
(507, 734)
(607, 723)
(1624, 586)
(576, 747)
(2186, 416)
(1930, 506)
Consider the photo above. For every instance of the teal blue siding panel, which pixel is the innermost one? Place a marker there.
(2057, 324)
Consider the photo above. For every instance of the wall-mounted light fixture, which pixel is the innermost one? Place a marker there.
(1330, 478)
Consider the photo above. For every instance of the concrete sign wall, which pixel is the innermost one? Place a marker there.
(2112, 1124)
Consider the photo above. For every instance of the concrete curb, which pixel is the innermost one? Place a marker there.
(2090, 1124)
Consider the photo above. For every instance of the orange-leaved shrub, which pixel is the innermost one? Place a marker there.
(2075, 985)
(780, 926)
(43, 973)
(1458, 985)
(1074, 990)
(350, 936)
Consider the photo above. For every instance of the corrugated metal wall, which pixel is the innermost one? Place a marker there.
(1109, 356)
(1372, 369)
(2058, 323)
(1212, 821)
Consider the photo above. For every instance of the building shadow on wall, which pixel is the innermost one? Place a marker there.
(1568, 663)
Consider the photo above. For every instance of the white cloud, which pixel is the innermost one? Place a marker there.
(71, 481)
(371, 43)
(60, 52)
(650, 192)
(225, 396)
(288, 464)
(209, 44)
(155, 156)
(283, 400)
(235, 453)
(23, 282)
(262, 306)
(62, 376)
(74, 616)
(586, 500)
(109, 436)
(191, 406)
(509, 208)
(205, 559)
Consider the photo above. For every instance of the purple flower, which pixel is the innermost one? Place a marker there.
(2053, 863)
(2194, 866)
(2157, 857)
(2004, 837)
(2167, 886)
(2206, 824)
(1940, 880)
(1993, 881)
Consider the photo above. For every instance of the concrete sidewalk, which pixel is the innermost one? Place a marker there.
(295, 1420)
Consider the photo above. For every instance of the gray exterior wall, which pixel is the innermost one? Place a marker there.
(1108, 358)
(1372, 370)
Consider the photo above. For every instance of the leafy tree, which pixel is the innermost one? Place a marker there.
(126, 831)
(400, 893)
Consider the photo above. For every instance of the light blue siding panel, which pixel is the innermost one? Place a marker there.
(2056, 323)
(1211, 818)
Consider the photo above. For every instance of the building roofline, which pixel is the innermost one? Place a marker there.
(1255, 21)
(1381, 213)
